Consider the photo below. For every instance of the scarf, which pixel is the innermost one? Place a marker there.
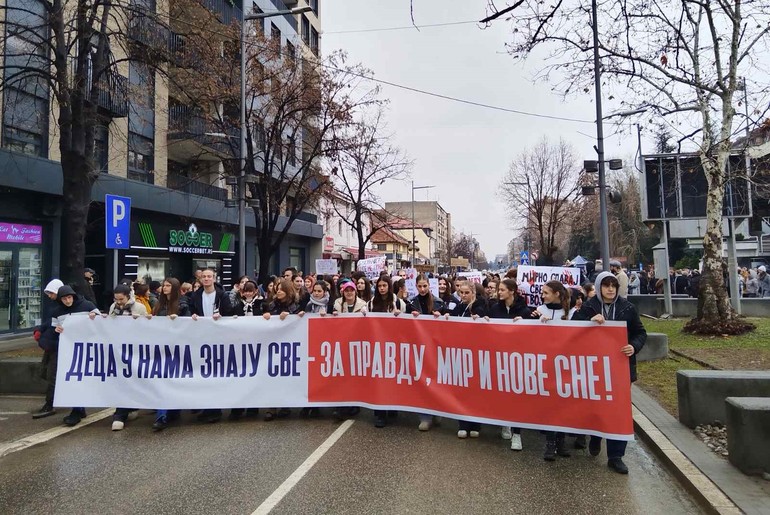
(316, 305)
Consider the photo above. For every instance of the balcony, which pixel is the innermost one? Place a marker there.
(282, 6)
(193, 187)
(186, 122)
(307, 217)
(224, 10)
(151, 35)
(112, 95)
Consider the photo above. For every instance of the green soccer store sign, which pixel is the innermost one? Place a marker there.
(190, 241)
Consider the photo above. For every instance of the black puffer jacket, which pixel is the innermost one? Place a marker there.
(420, 303)
(519, 308)
(622, 311)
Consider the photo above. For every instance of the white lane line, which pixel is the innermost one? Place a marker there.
(291, 481)
(29, 441)
(5, 413)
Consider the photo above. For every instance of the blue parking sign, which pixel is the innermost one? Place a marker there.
(117, 222)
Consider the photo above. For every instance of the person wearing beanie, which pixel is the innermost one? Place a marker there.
(47, 339)
(608, 305)
(69, 304)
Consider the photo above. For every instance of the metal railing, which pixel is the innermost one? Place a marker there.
(224, 10)
(186, 122)
(111, 89)
(193, 187)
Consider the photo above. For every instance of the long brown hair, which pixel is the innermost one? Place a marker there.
(169, 303)
(287, 285)
(422, 277)
(558, 287)
(382, 304)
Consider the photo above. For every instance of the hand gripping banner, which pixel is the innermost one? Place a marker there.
(562, 376)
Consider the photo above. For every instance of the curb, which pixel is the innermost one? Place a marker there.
(706, 493)
(696, 360)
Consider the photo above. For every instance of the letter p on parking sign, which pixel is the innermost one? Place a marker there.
(117, 212)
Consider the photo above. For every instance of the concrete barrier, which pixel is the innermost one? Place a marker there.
(649, 304)
(686, 307)
(702, 393)
(748, 433)
(655, 348)
(21, 375)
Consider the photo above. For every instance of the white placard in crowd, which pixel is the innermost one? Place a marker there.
(325, 266)
(532, 278)
(372, 267)
(474, 277)
(433, 286)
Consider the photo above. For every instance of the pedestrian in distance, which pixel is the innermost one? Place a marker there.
(47, 339)
(608, 305)
(71, 303)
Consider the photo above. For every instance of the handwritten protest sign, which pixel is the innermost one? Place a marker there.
(326, 266)
(532, 278)
(372, 267)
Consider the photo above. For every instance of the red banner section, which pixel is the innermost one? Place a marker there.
(568, 376)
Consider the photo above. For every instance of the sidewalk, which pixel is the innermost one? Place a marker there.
(17, 343)
(713, 481)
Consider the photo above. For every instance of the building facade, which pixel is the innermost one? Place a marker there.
(149, 146)
(437, 239)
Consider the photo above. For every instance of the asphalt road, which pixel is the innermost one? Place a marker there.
(234, 467)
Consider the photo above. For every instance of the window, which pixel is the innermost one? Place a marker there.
(101, 148)
(291, 52)
(25, 109)
(297, 258)
(305, 30)
(292, 150)
(382, 246)
(339, 227)
(314, 40)
(141, 116)
(314, 6)
(259, 136)
(275, 34)
(140, 158)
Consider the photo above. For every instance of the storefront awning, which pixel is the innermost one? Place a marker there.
(332, 255)
(368, 253)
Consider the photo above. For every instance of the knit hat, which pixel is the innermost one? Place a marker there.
(762, 268)
(53, 286)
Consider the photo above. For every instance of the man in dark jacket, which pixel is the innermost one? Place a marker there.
(608, 305)
(47, 339)
(71, 303)
(211, 302)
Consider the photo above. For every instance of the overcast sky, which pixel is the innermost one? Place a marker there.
(463, 150)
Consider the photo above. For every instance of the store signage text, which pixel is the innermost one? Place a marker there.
(190, 241)
(18, 233)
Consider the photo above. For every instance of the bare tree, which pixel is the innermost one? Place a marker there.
(679, 60)
(538, 190)
(363, 162)
(296, 110)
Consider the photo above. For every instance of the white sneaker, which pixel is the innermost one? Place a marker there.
(133, 415)
(506, 433)
(424, 425)
(516, 442)
(474, 434)
(117, 425)
(462, 433)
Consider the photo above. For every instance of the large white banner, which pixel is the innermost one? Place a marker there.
(532, 278)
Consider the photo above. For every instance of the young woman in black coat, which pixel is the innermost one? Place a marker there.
(511, 305)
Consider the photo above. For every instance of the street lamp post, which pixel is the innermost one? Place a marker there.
(242, 177)
(415, 188)
(527, 239)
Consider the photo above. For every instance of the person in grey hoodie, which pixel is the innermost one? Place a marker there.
(608, 305)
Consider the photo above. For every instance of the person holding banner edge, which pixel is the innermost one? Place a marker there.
(424, 303)
(510, 305)
(607, 304)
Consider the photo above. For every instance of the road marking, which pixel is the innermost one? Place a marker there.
(6, 413)
(29, 441)
(291, 481)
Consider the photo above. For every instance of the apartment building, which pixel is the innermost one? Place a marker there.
(150, 146)
(433, 229)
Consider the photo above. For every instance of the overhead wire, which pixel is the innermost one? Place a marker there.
(405, 27)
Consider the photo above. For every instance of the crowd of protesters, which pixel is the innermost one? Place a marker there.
(294, 293)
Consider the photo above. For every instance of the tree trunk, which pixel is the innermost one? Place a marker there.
(715, 313)
(77, 198)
